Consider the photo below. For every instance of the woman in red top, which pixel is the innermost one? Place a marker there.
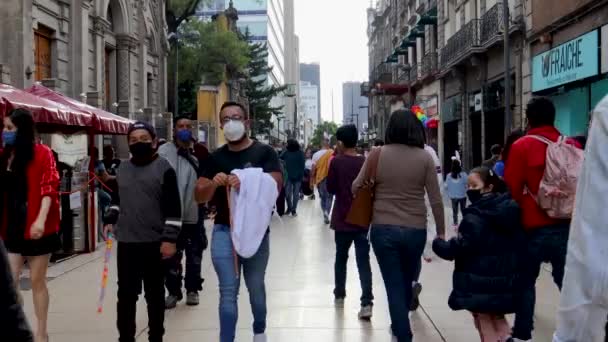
(29, 203)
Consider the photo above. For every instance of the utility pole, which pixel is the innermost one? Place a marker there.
(507, 55)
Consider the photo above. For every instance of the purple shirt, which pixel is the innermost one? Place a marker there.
(342, 172)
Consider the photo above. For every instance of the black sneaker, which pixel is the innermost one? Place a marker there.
(416, 289)
(171, 302)
(192, 298)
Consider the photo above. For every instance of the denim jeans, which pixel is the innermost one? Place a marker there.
(254, 270)
(292, 194)
(343, 242)
(546, 244)
(458, 202)
(326, 197)
(191, 241)
(398, 251)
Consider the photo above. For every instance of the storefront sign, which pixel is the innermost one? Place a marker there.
(571, 61)
(604, 62)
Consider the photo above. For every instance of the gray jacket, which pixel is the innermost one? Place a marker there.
(187, 176)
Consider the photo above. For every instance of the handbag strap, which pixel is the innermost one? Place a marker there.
(372, 165)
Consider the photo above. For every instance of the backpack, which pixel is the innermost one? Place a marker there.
(557, 188)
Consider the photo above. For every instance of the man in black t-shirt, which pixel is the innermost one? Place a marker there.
(240, 152)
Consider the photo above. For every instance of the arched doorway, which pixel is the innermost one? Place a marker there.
(115, 18)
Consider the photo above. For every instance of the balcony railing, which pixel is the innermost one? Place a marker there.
(403, 76)
(415, 72)
(492, 23)
(382, 73)
(429, 64)
(461, 43)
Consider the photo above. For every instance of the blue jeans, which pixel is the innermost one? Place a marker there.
(343, 242)
(546, 244)
(326, 197)
(292, 194)
(398, 251)
(254, 270)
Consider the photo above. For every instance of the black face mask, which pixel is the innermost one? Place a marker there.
(474, 195)
(141, 150)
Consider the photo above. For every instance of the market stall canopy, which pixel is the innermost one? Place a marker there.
(43, 110)
(105, 122)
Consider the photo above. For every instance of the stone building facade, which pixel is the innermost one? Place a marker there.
(110, 53)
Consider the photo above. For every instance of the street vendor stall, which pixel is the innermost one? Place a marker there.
(56, 113)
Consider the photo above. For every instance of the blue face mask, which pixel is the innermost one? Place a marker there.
(184, 135)
(9, 138)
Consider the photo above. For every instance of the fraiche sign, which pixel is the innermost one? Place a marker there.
(568, 62)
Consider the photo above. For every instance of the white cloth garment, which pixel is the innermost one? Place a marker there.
(583, 308)
(251, 209)
(431, 233)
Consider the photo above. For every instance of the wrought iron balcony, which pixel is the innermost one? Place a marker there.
(429, 64)
(403, 75)
(382, 73)
(461, 43)
(492, 24)
(365, 89)
(415, 72)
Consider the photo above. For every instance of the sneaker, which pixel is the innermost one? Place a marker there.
(326, 218)
(171, 301)
(260, 338)
(365, 312)
(416, 289)
(294, 214)
(339, 302)
(518, 340)
(192, 298)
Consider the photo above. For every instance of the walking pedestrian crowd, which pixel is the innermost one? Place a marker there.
(539, 199)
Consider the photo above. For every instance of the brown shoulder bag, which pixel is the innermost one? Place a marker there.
(360, 212)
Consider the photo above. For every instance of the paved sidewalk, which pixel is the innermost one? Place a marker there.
(300, 299)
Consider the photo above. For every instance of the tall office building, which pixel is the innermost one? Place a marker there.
(270, 22)
(354, 106)
(311, 72)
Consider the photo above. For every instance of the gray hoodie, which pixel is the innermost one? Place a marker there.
(187, 176)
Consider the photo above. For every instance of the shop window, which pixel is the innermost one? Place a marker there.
(43, 55)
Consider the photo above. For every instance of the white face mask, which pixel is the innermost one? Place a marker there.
(234, 130)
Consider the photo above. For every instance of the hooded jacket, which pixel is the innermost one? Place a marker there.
(487, 256)
(186, 169)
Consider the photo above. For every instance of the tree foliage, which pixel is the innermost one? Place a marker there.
(205, 55)
(178, 11)
(324, 129)
(259, 92)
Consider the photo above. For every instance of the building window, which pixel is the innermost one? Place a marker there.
(43, 56)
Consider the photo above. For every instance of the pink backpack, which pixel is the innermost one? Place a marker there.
(557, 188)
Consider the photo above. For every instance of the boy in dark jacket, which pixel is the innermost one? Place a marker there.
(486, 251)
(148, 215)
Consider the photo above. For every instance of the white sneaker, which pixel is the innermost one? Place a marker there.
(366, 312)
(339, 302)
(260, 338)
(518, 340)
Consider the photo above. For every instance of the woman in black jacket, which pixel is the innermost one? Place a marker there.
(486, 278)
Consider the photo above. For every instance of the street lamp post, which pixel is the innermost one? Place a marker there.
(176, 36)
(279, 118)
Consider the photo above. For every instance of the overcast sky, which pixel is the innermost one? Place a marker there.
(333, 33)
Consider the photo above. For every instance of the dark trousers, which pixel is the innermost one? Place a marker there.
(546, 244)
(343, 242)
(292, 194)
(458, 202)
(398, 250)
(192, 241)
(140, 263)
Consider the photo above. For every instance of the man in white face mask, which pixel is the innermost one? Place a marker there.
(240, 152)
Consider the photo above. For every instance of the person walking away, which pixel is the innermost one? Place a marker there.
(307, 187)
(320, 168)
(487, 255)
(496, 151)
(398, 233)
(342, 172)
(110, 162)
(499, 167)
(456, 187)
(14, 323)
(240, 152)
(294, 163)
(147, 215)
(29, 208)
(583, 306)
(547, 237)
(179, 154)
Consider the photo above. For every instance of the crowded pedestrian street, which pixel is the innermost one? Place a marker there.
(300, 301)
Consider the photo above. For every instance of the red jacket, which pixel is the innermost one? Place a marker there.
(525, 168)
(42, 181)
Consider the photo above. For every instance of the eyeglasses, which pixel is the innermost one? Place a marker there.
(227, 119)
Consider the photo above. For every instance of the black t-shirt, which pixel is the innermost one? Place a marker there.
(223, 160)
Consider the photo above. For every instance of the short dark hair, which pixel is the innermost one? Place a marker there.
(540, 111)
(293, 145)
(181, 117)
(348, 135)
(378, 142)
(405, 129)
(489, 177)
(496, 149)
(234, 104)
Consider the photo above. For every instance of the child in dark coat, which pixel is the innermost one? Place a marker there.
(486, 278)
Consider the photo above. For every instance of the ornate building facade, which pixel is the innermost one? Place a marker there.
(110, 53)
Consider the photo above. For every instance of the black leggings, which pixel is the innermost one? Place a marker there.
(462, 202)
